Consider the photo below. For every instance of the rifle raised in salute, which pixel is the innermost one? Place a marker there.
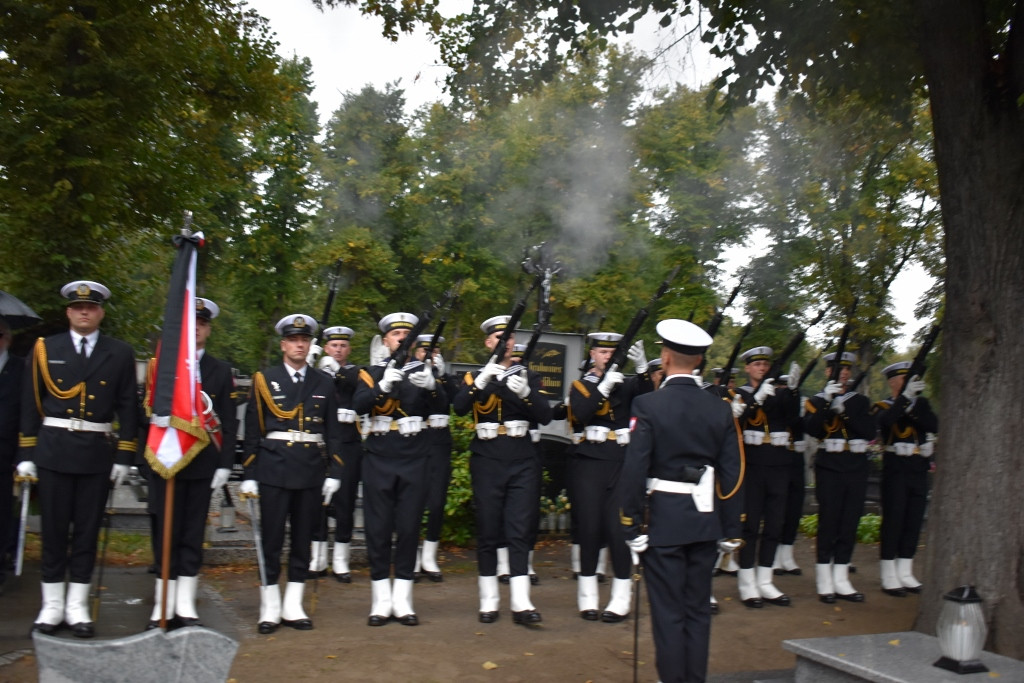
(841, 345)
(517, 314)
(917, 367)
(780, 362)
(619, 354)
(723, 381)
(716, 321)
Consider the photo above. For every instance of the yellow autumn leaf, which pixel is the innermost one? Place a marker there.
(895, 642)
(332, 656)
(490, 665)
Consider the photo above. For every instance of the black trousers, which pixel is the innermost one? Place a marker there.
(597, 516)
(679, 589)
(840, 506)
(300, 509)
(7, 513)
(904, 499)
(188, 523)
(796, 487)
(394, 490)
(506, 494)
(764, 502)
(344, 501)
(439, 473)
(70, 504)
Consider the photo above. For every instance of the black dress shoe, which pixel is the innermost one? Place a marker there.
(610, 617)
(183, 622)
(782, 601)
(601, 578)
(343, 578)
(851, 597)
(45, 629)
(84, 629)
(504, 578)
(266, 627)
(435, 577)
(376, 620)
(828, 598)
(527, 616)
(150, 625)
(714, 608)
(753, 603)
(900, 592)
(409, 620)
(590, 614)
(534, 580)
(792, 572)
(488, 617)
(915, 590)
(299, 624)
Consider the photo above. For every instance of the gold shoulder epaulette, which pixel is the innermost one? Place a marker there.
(580, 387)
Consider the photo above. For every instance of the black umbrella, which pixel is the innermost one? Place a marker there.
(16, 312)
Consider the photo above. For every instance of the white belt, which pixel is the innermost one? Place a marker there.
(297, 437)
(76, 425)
(703, 492)
(666, 486)
(904, 449)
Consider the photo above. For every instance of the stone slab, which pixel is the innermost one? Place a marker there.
(187, 655)
(905, 657)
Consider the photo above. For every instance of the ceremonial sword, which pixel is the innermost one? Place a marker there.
(26, 485)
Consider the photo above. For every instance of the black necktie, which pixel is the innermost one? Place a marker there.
(83, 350)
(298, 377)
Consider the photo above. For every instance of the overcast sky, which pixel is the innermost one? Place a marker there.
(348, 52)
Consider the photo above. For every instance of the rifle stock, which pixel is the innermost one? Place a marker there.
(513, 322)
(917, 367)
(814, 361)
(779, 364)
(727, 370)
(841, 346)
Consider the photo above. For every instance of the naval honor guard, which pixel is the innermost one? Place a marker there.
(290, 421)
(79, 383)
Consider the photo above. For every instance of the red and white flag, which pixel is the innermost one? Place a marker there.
(174, 394)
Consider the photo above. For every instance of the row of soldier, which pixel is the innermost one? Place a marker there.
(298, 414)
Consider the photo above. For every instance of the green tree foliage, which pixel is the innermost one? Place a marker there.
(113, 115)
(847, 197)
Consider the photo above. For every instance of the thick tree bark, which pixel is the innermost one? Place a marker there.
(976, 520)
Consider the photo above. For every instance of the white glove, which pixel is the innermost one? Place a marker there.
(738, 407)
(315, 351)
(392, 376)
(636, 354)
(794, 376)
(487, 373)
(837, 406)
(220, 477)
(331, 486)
(329, 365)
(727, 546)
(609, 381)
(697, 377)
(638, 544)
(799, 446)
(519, 385)
(118, 473)
(249, 489)
(423, 379)
(766, 389)
(832, 389)
(27, 470)
(914, 387)
(438, 362)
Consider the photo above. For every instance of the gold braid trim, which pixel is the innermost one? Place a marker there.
(147, 401)
(390, 406)
(835, 426)
(493, 404)
(580, 387)
(264, 397)
(41, 368)
(743, 466)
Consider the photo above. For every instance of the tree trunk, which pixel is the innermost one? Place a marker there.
(976, 520)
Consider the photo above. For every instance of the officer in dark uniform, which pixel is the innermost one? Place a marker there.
(398, 451)
(600, 403)
(291, 416)
(11, 370)
(505, 401)
(682, 473)
(439, 467)
(334, 362)
(78, 384)
(908, 426)
(841, 421)
(765, 424)
(194, 484)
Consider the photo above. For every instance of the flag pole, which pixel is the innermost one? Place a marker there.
(165, 548)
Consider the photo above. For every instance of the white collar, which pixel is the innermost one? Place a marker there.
(90, 339)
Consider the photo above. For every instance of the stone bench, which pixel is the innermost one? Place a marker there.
(906, 657)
